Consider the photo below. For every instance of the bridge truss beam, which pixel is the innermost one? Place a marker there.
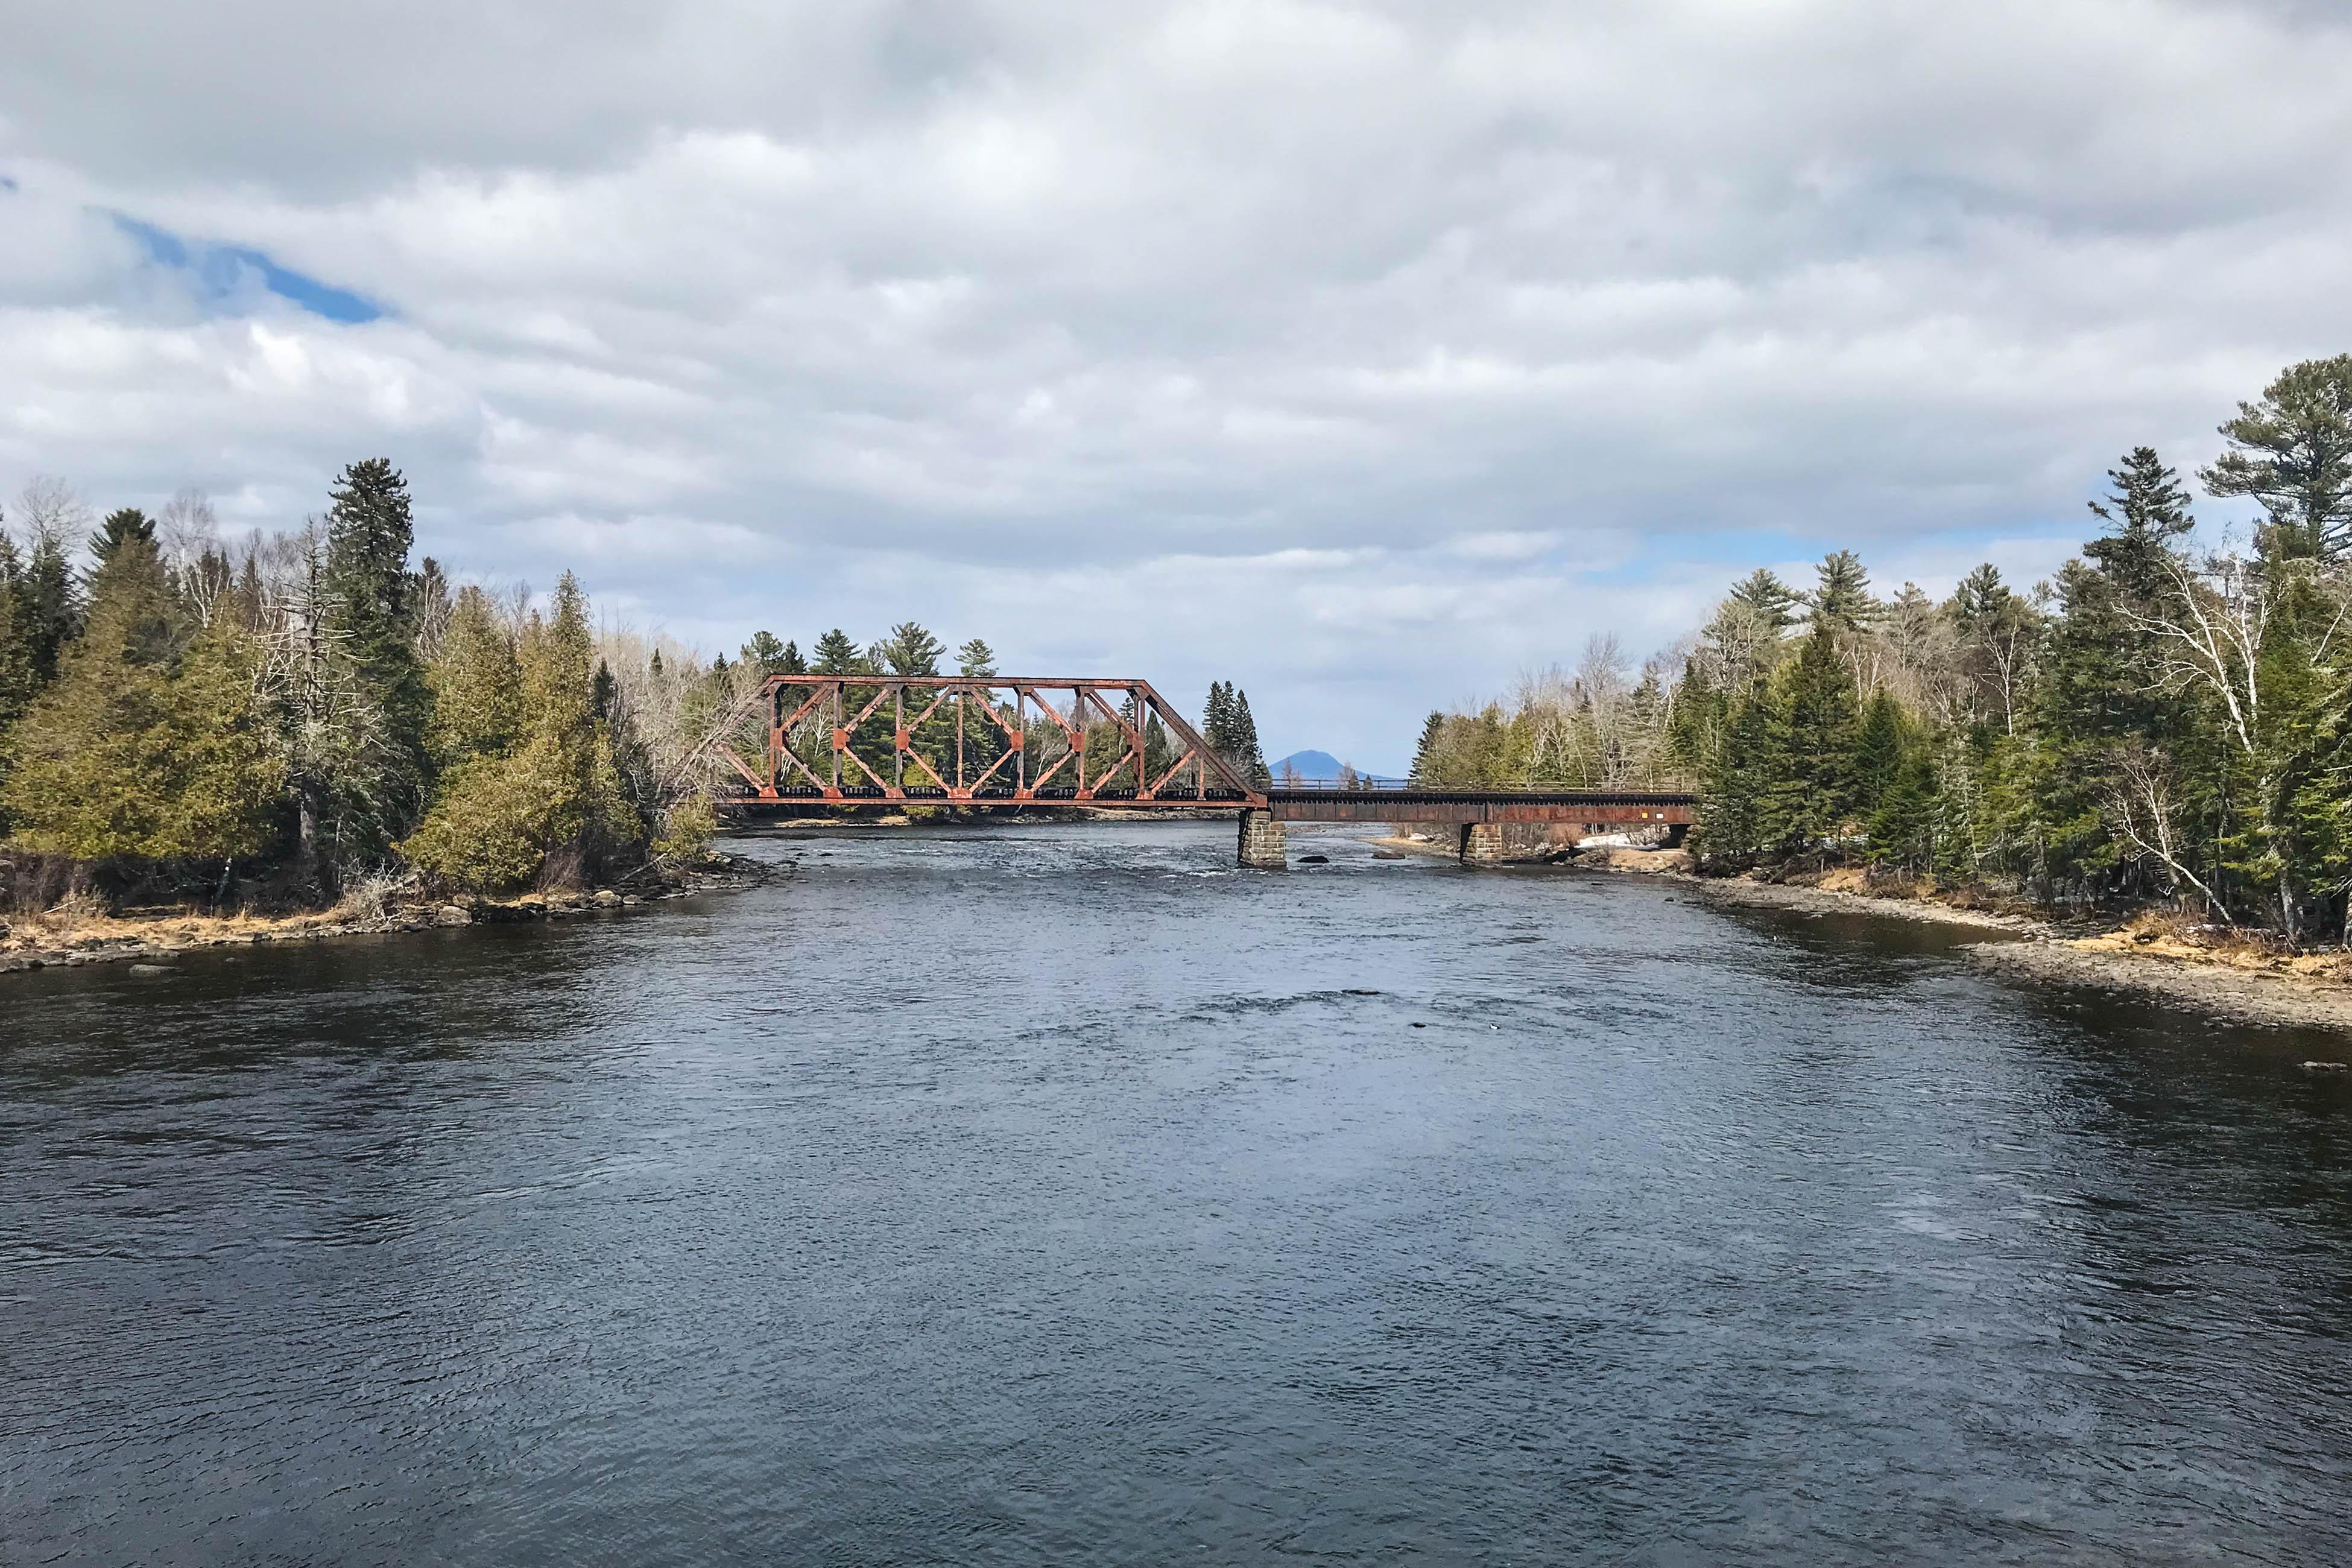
(960, 739)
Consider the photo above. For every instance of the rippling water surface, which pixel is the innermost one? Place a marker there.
(1065, 1195)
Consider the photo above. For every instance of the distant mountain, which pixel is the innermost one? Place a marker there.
(1314, 765)
(1309, 764)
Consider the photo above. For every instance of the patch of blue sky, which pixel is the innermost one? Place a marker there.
(224, 274)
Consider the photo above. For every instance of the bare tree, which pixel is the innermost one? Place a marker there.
(186, 529)
(2140, 805)
(49, 508)
(2208, 635)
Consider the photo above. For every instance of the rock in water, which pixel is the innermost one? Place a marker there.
(451, 915)
(2327, 1066)
(1314, 859)
(606, 898)
(151, 969)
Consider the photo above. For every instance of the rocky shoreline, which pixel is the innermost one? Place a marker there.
(148, 944)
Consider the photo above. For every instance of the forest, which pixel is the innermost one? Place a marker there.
(2164, 720)
(279, 722)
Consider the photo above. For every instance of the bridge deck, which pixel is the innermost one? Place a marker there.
(1598, 807)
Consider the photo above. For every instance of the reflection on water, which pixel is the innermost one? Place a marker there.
(1063, 1194)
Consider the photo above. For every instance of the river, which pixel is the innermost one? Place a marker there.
(1065, 1195)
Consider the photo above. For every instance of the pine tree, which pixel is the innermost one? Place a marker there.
(16, 679)
(118, 527)
(2152, 508)
(791, 662)
(836, 655)
(1881, 746)
(370, 622)
(909, 649)
(430, 605)
(1997, 632)
(1424, 752)
(1763, 593)
(50, 601)
(1733, 792)
(1247, 754)
(1810, 792)
(1694, 727)
(975, 660)
(1842, 600)
(1903, 827)
(764, 653)
(1217, 719)
(2291, 451)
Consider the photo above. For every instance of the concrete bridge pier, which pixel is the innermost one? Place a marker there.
(1500, 842)
(1264, 844)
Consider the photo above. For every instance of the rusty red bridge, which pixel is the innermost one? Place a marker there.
(998, 741)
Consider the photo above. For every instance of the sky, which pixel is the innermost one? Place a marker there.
(1367, 356)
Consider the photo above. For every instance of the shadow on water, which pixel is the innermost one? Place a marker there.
(1022, 1194)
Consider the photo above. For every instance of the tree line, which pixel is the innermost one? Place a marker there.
(2165, 718)
(283, 717)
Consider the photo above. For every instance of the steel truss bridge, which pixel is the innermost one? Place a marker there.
(998, 741)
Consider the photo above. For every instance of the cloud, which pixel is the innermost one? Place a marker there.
(1361, 352)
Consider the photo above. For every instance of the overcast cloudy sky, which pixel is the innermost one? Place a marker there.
(1366, 355)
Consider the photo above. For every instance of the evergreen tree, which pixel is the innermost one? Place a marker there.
(118, 527)
(976, 660)
(551, 809)
(1842, 601)
(1763, 594)
(1694, 727)
(430, 604)
(1248, 755)
(909, 649)
(49, 601)
(16, 678)
(1735, 790)
(477, 685)
(1997, 631)
(1217, 719)
(1810, 792)
(1903, 827)
(2291, 451)
(791, 662)
(371, 624)
(836, 655)
(1424, 751)
(764, 654)
(1880, 748)
(2152, 508)
(144, 747)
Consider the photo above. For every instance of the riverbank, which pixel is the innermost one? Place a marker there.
(2150, 956)
(68, 937)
